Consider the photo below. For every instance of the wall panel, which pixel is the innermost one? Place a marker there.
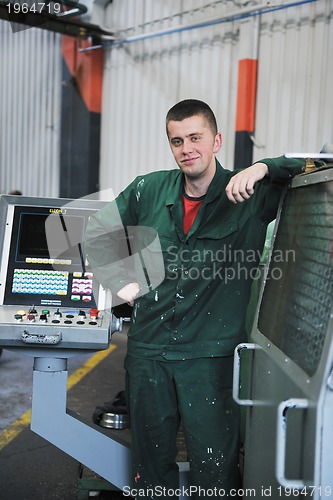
(142, 80)
(295, 101)
(30, 86)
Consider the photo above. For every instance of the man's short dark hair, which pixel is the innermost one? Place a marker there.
(192, 107)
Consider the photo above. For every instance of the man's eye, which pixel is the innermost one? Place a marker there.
(176, 142)
(195, 138)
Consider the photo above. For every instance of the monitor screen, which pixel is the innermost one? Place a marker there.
(46, 265)
(50, 237)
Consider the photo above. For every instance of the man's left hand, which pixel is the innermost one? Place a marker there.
(241, 185)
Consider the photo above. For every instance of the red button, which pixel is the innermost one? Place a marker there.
(94, 313)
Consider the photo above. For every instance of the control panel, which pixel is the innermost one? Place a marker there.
(64, 328)
(48, 295)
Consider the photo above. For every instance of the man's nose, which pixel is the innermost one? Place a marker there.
(187, 146)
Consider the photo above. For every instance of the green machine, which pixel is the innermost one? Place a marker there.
(283, 376)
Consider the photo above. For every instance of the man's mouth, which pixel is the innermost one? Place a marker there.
(189, 160)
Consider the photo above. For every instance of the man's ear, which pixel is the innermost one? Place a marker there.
(217, 142)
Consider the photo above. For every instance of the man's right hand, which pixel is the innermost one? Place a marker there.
(129, 292)
(241, 185)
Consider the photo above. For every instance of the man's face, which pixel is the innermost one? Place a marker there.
(194, 145)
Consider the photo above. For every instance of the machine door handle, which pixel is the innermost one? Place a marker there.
(37, 338)
(236, 378)
(281, 441)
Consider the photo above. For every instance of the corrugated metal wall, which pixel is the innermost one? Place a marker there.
(30, 92)
(143, 79)
(295, 97)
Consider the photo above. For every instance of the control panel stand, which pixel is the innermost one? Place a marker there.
(85, 442)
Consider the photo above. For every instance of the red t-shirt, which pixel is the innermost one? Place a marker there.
(191, 208)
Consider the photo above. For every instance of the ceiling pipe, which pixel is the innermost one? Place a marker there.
(254, 10)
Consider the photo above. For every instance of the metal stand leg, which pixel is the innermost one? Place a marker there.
(81, 440)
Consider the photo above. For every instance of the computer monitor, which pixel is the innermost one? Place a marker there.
(42, 260)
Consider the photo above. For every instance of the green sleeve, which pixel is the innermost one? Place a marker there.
(282, 169)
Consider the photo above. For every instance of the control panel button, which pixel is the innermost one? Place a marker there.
(57, 314)
(93, 313)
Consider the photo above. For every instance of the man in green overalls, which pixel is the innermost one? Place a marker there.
(211, 224)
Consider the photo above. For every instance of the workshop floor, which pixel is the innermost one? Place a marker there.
(32, 468)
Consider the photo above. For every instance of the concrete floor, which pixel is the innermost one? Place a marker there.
(30, 467)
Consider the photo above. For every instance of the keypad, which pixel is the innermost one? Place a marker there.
(40, 282)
